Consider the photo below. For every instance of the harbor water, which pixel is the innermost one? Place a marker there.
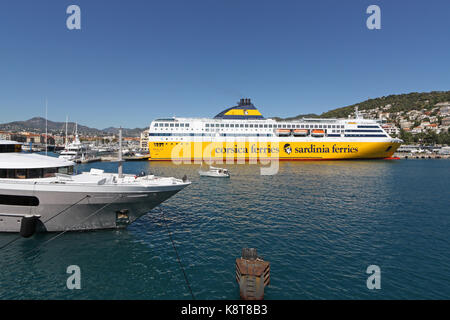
(320, 224)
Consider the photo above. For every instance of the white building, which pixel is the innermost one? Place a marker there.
(391, 129)
(444, 108)
(143, 144)
(405, 124)
(5, 135)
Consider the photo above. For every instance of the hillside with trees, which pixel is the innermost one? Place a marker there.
(398, 102)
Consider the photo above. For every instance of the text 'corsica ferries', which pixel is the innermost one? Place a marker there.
(241, 132)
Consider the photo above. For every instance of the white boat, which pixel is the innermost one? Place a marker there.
(215, 173)
(444, 150)
(75, 150)
(34, 185)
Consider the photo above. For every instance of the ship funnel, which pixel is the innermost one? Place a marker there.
(245, 102)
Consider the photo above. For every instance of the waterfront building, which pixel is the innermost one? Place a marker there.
(5, 135)
(34, 138)
(143, 143)
(391, 129)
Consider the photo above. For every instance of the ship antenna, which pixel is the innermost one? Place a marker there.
(357, 114)
(120, 171)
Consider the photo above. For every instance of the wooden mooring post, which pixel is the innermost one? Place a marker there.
(252, 275)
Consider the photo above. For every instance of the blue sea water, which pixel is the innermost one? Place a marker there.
(320, 224)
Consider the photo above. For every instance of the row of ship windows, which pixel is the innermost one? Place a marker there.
(368, 127)
(211, 134)
(242, 134)
(359, 135)
(242, 125)
(348, 130)
(367, 135)
(213, 131)
(157, 124)
(34, 173)
(334, 134)
(10, 148)
(286, 126)
(15, 200)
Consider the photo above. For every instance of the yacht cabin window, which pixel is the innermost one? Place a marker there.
(34, 173)
(10, 148)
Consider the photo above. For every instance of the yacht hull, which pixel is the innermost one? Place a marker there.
(82, 210)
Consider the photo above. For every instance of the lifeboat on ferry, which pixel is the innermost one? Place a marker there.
(283, 132)
(317, 133)
(300, 132)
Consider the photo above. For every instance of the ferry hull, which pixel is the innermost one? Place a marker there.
(283, 150)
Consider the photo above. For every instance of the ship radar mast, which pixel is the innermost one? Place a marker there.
(357, 113)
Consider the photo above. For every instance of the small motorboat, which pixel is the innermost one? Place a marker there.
(215, 173)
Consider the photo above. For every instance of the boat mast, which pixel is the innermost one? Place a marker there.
(67, 119)
(46, 130)
(120, 171)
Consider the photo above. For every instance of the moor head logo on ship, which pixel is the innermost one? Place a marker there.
(287, 148)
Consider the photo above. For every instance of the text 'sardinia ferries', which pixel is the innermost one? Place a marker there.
(241, 132)
(45, 191)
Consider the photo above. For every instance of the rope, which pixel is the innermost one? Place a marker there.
(74, 204)
(33, 194)
(176, 252)
(70, 228)
(19, 237)
(95, 212)
(8, 243)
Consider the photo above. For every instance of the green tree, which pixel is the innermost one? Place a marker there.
(430, 137)
(443, 138)
(407, 137)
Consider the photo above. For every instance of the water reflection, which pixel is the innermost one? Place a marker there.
(320, 224)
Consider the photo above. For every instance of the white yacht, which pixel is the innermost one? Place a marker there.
(34, 185)
(74, 150)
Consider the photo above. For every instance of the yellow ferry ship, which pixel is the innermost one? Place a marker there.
(241, 133)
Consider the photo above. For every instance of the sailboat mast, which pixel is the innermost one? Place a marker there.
(46, 130)
(67, 119)
(120, 171)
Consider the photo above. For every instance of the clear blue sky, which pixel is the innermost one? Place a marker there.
(136, 60)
